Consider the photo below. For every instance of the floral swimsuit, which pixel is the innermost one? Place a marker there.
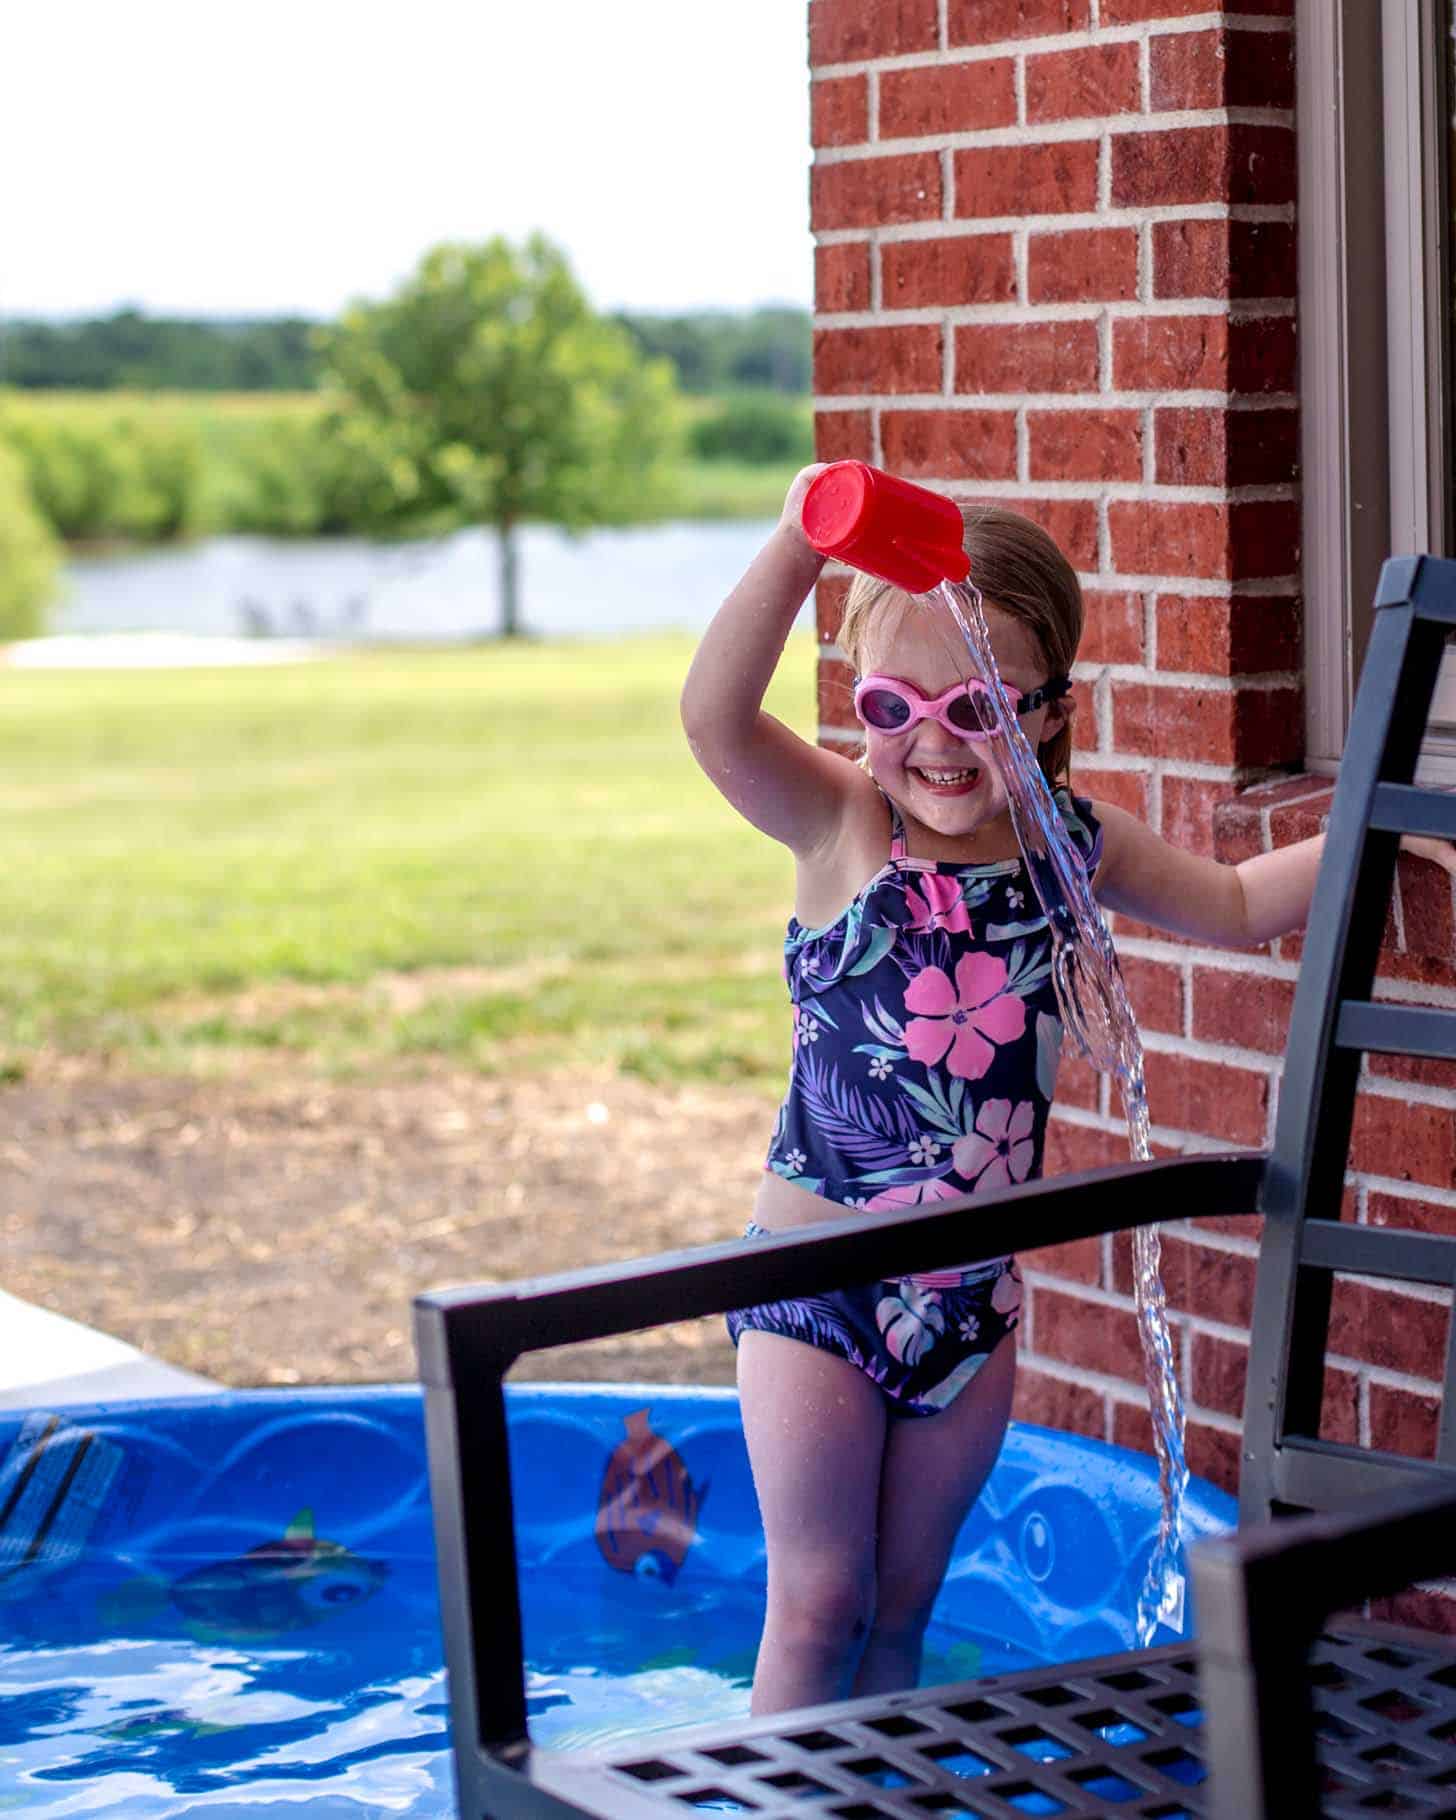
(926, 1042)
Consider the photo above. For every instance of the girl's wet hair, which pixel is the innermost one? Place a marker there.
(1018, 568)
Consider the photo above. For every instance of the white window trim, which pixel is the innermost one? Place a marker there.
(1374, 360)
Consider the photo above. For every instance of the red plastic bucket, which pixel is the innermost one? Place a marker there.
(888, 527)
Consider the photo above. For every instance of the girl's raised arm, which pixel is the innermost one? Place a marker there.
(792, 790)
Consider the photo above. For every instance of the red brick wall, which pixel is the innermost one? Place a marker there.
(1056, 268)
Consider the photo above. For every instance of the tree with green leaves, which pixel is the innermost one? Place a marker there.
(502, 397)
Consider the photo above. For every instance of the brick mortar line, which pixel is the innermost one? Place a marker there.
(1038, 313)
(1397, 1189)
(1112, 1390)
(1425, 1293)
(1390, 1379)
(1198, 587)
(1108, 581)
(1116, 1388)
(1144, 675)
(1223, 1055)
(1416, 992)
(1189, 1143)
(1021, 263)
(1202, 586)
(1093, 1294)
(1211, 1328)
(1082, 1376)
(1231, 1243)
(1088, 129)
(1419, 1093)
(1112, 492)
(1145, 278)
(1125, 492)
(1430, 1293)
(1204, 1326)
(1195, 771)
(894, 232)
(1116, 492)
(1072, 401)
(1145, 948)
(1023, 50)
(1208, 1417)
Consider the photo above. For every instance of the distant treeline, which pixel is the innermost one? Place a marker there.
(713, 351)
(717, 351)
(128, 351)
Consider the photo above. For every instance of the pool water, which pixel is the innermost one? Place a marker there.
(215, 1605)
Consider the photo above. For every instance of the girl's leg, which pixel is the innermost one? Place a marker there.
(934, 1468)
(815, 1427)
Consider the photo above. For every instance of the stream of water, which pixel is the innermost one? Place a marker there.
(1095, 1008)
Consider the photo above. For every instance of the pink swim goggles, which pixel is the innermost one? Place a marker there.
(891, 706)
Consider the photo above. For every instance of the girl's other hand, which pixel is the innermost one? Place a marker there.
(792, 516)
(1443, 852)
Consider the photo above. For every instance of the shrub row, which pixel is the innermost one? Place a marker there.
(112, 466)
(29, 556)
(125, 466)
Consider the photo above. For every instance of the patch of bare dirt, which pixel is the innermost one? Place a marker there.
(272, 1228)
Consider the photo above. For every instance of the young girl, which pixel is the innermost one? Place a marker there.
(926, 1039)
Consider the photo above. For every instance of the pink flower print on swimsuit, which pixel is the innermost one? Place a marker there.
(963, 1023)
(999, 1150)
(1006, 1296)
(910, 1322)
(938, 903)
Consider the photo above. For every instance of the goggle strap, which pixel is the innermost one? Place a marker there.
(1051, 690)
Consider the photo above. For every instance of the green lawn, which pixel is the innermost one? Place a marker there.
(204, 861)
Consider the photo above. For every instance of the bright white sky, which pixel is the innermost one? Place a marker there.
(276, 157)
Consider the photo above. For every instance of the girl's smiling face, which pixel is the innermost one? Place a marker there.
(949, 785)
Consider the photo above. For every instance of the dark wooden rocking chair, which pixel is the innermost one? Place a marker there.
(1276, 1713)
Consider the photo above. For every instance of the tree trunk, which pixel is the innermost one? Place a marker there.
(510, 601)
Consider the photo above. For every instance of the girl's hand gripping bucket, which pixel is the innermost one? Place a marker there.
(902, 533)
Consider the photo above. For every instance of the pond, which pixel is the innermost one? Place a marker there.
(596, 585)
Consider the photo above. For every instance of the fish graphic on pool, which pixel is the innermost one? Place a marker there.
(293, 1581)
(647, 1513)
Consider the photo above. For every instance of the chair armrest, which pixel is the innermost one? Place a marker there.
(485, 1327)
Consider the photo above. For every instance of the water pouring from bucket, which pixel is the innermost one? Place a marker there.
(913, 539)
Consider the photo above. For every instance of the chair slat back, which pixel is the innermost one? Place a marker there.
(1286, 1464)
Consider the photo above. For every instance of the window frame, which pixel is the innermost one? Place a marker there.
(1372, 118)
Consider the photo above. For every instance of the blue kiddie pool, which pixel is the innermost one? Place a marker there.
(224, 1604)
